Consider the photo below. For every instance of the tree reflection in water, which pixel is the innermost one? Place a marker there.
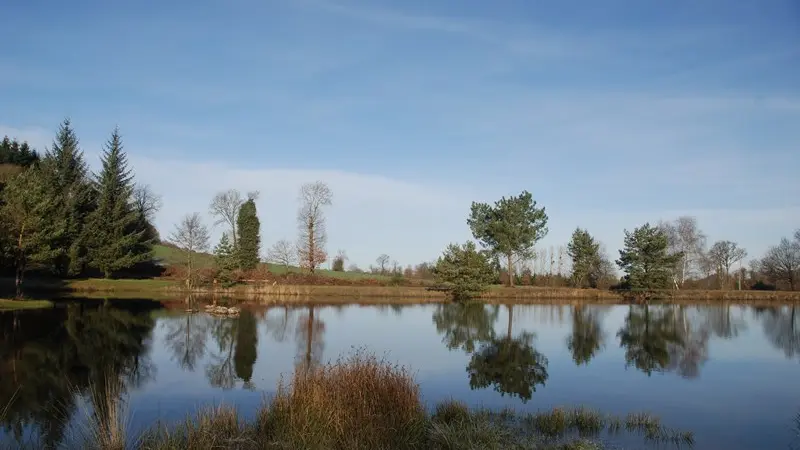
(511, 365)
(782, 328)
(309, 337)
(98, 352)
(587, 336)
(462, 326)
(646, 335)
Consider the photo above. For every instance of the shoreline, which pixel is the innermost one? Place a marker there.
(337, 294)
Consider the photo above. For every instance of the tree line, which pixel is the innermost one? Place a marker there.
(662, 256)
(58, 216)
(240, 244)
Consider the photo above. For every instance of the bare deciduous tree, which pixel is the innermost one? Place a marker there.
(311, 223)
(782, 262)
(724, 254)
(382, 261)
(191, 236)
(146, 202)
(685, 236)
(283, 253)
(225, 207)
(562, 259)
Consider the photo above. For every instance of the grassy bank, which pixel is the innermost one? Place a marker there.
(159, 288)
(362, 402)
(11, 305)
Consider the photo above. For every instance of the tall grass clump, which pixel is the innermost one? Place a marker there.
(211, 428)
(106, 417)
(357, 402)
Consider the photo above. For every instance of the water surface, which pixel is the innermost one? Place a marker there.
(730, 374)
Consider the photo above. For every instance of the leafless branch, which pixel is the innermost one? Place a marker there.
(191, 236)
(283, 253)
(225, 207)
(311, 224)
(146, 202)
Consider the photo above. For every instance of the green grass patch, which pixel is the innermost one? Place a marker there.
(171, 256)
(11, 305)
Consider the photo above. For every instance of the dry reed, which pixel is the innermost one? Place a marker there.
(353, 403)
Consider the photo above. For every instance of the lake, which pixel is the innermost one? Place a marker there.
(730, 374)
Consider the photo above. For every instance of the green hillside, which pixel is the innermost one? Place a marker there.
(168, 256)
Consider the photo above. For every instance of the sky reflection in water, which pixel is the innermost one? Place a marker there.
(730, 374)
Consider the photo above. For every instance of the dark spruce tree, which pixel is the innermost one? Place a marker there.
(116, 235)
(248, 227)
(225, 261)
(17, 153)
(66, 173)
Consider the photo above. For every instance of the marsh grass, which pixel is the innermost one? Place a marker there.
(105, 417)
(454, 425)
(357, 402)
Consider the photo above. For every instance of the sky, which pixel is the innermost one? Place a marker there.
(611, 114)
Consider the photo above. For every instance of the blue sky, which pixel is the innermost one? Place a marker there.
(611, 113)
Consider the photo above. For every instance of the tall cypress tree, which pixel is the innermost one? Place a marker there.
(116, 234)
(66, 173)
(249, 236)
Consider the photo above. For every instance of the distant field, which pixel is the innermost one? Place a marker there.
(169, 256)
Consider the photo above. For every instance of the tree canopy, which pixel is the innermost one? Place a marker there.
(586, 260)
(511, 227)
(116, 230)
(249, 243)
(464, 269)
(645, 258)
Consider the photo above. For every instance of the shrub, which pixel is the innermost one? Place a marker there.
(357, 402)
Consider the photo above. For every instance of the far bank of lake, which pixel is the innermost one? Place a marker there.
(159, 287)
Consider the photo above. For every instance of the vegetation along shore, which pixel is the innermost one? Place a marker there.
(361, 402)
(64, 228)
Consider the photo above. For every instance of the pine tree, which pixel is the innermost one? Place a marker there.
(646, 259)
(464, 269)
(586, 260)
(225, 260)
(18, 153)
(509, 228)
(66, 174)
(29, 218)
(248, 227)
(116, 234)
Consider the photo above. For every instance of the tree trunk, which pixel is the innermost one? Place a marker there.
(20, 264)
(510, 270)
(310, 336)
(189, 269)
(510, 319)
(18, 281)
(311, 247)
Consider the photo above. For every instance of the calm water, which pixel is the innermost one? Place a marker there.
(730, 374)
